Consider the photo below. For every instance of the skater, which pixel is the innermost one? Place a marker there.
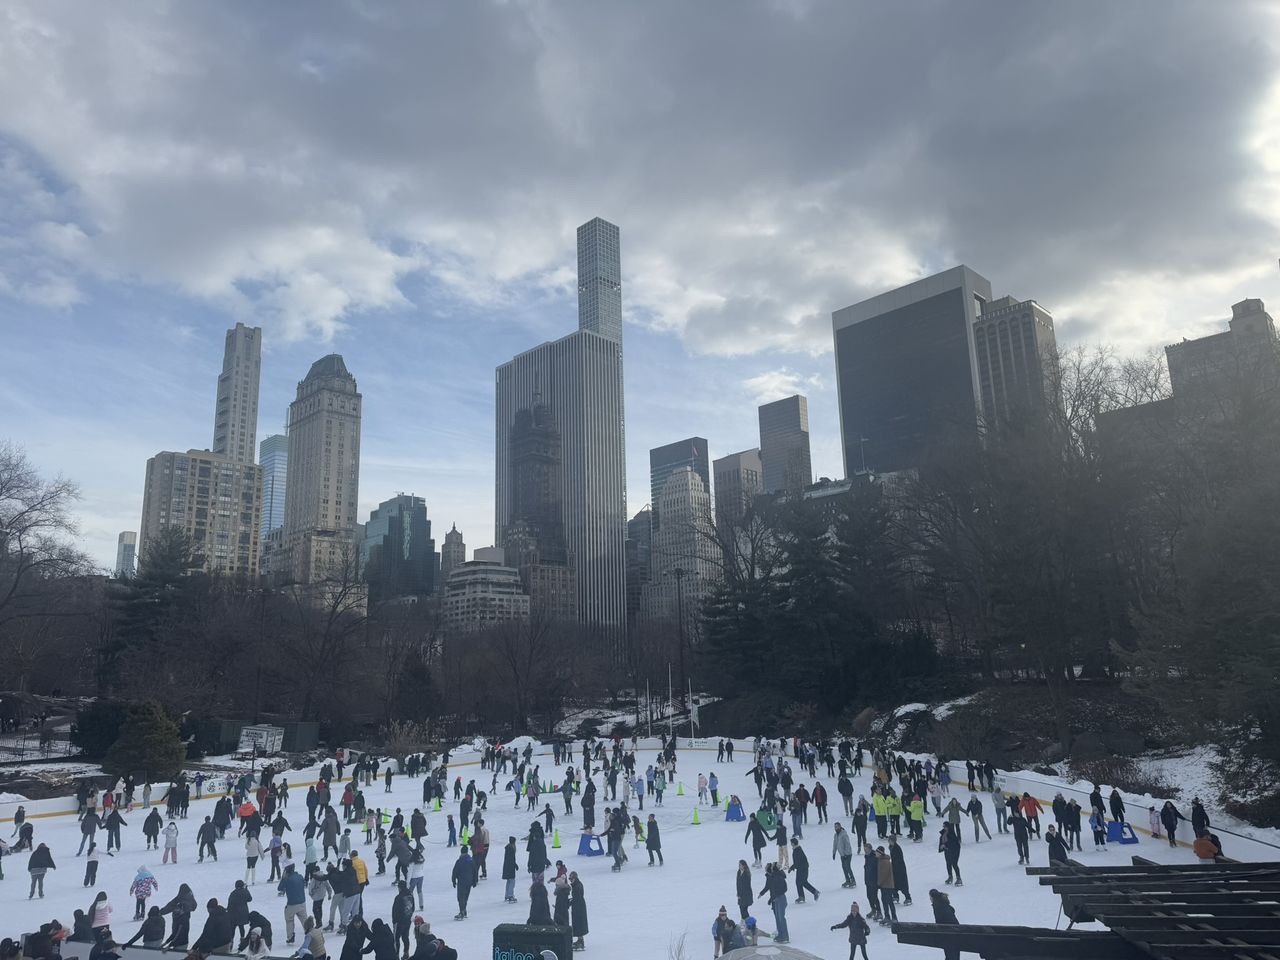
(577, 911)
(252, 851)
(856, 924)
(887, 886)
(206, 841)
(1031, 809)
(1169, 816)
(842, 847)
(1057, 849)
(757, 836)
(800, 866)
(143, 886)
(900, 881)
(871, 879)
(653, 840)
(1021, 835)
(1117, 805)
(238, 908)
(39, 864)
(510, 870)
(294, 889)
(151, 829)
(974, 809)
(464, 878)
(402, 917)
(1099, 827)
(744, 888)
(91, 866)
(775, 885)
(949, 847)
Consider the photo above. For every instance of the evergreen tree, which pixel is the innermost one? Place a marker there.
(149, 745)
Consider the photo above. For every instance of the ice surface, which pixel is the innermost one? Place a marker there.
(636, 913)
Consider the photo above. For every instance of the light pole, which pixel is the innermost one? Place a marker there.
(862, 450)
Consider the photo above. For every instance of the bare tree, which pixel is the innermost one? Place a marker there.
(35, 530)
(326, 618)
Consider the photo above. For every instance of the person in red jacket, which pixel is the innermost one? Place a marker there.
(1031, 809)
(820, 801)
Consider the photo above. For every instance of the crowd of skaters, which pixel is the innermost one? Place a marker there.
(334, 876)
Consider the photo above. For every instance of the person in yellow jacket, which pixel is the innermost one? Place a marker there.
(893, 807)
(880, 807)
(916, 813)
(362, 875)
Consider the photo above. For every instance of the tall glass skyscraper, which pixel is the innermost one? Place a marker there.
(579, 378)
(273, 457)
(599, 279)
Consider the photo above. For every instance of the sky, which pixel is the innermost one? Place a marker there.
(400, 183)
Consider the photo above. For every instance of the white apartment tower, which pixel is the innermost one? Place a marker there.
(323, 475)
(235, 417)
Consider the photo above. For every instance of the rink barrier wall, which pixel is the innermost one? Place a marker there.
(1022, 781)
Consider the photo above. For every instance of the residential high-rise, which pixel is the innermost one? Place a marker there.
(739, 480)
(666, 460)
(235, 417)
(784, 445)
(126, 554)
(397, 555)
(216, 500)
(453, 553)
(579, 379)
(215, 496)
(682, 562)
(639, 550)
(1016, 350)
(907, 372)
(324, 474)
(273, 457)
(600, 279)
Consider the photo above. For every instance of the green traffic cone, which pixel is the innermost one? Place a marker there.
(555, 840)
(680, 789)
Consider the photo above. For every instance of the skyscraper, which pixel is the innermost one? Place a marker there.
(600, 279)
(666, 460)
(739, 480)
(453, 553)
(1016, 348)
(579, 379)
(273, 457)
(682, 567)
(784, 445)
(215, 500)
(397, 555)
(324, 474)
(126, 554)
(235, 417)
(215, 496)
(907, 373)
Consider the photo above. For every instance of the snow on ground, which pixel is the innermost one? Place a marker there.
(637, 913)
(944, 710)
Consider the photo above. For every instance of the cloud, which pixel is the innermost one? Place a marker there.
(775, 384)
(768, 162)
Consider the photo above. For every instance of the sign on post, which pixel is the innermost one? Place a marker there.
(261, 739)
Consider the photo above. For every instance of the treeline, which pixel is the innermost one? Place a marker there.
(1115, 532)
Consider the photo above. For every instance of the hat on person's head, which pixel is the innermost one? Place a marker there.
(417, 921)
